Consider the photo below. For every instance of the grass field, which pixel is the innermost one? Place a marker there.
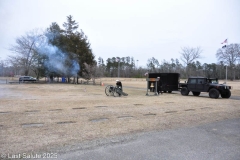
(40, 117)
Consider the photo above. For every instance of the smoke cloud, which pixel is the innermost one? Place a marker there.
(58, 61)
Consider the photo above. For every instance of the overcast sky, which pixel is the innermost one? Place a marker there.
(137, 28)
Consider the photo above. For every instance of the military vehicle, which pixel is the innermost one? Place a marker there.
(196, 85)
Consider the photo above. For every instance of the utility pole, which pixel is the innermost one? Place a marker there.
(118, 67)
(118, 60)
(226, 74)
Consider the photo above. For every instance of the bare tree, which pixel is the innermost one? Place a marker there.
(2, 68)
(15, 65)
(93, 72)
(188, 54)
(229, 55)
(25, 51)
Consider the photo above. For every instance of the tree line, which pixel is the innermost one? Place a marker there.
(66, 52)
(228, 60)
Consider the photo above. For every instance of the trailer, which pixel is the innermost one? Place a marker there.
(169, 81)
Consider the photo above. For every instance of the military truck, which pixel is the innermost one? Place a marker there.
(196, 85)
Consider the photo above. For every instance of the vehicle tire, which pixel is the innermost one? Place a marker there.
(169, 91)
(213, 93)
(196, 93)
(184, 91)
(109, 90)
(226, 94)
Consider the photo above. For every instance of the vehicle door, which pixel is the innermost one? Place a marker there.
(207, 84)
(192, 84)
(200, 84)
(26, 78)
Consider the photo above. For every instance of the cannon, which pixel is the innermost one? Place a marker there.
(115, 91)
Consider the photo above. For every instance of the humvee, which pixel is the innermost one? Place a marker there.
(201, 84)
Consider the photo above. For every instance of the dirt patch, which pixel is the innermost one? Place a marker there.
(39, 117)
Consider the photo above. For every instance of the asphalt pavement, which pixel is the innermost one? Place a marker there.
(218, 140)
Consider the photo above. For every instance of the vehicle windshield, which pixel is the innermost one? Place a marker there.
(214, 81)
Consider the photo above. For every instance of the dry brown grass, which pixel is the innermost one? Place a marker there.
(65, 114)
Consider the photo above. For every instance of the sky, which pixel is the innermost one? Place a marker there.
(141, 29)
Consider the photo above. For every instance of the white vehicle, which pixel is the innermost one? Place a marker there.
(27, 78)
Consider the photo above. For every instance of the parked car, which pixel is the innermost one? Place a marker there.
(27, 78)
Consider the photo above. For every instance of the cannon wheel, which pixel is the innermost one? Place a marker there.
(117, 92)
(109, 90)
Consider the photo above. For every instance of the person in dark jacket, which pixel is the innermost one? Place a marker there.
(159, 86)
(119, 84)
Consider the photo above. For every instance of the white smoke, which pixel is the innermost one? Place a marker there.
(56, 60)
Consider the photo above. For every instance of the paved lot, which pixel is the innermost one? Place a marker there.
(218, 140)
